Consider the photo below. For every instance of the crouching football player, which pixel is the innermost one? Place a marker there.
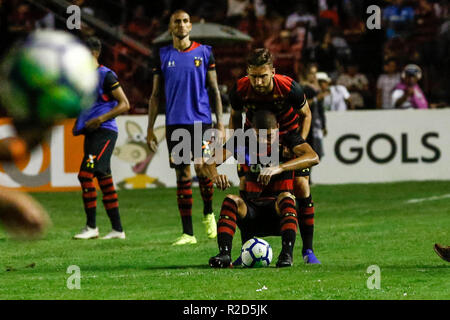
(266, 205)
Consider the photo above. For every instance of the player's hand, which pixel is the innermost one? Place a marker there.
(93, 124)
(221, 129)
(221, 181)
(152, 141)
(267, 173)
(22, 216)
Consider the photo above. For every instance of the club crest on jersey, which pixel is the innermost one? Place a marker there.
(91, 161)
(198, 61)
(171, 64)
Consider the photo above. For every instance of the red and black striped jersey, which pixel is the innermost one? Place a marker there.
(286, 99)
(248, 172)
(252, 189)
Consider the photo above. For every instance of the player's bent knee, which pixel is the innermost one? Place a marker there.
(281, 196)
(240, 204)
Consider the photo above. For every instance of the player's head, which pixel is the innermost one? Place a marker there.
(267, 121)
(180, 24)
(260, 70)
(95, 45)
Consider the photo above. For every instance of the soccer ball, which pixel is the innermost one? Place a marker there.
(48, 77)
(256, 253)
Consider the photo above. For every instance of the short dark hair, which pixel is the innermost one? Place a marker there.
(264, 119)
(259, 57)
(179, 11)
(94, 44)
(389, 60)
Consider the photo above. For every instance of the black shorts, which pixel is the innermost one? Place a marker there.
(302, 173)
(98, 149)
(262, 219)
(178, 156)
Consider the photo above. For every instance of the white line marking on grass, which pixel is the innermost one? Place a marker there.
(429, 198)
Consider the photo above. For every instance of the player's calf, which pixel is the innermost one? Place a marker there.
(89, 195)
(288, 227)
(226, 228)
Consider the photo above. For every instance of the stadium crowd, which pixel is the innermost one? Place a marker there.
(359, 65)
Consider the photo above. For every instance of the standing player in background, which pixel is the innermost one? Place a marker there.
(182, 71)
(98, 125)
(263, 89)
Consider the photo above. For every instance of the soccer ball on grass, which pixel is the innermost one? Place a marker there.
(256, 253)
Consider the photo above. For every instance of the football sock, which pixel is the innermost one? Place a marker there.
(288, 224)
(89, 196)
(306, 221)
(207, 191)
(184, 200)
(226, 226)
(110, 201)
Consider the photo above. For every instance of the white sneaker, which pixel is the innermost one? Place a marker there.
(87, 233)
(114, 235)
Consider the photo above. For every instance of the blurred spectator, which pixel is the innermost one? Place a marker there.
(398, 18)
(343, 50)
(140, 26)
(325, 54)
(357, 84)
(46, 22)
(318, 123)
(386, 83)
(331, 13)
(333, 98)
(300, 23)
(308, 77)
(255, 26)
(260, 8)
(407, 94)
(20, 22)
(286, 53)
(236, 11)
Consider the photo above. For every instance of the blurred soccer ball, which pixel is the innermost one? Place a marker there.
(256, 253)
(48, 77)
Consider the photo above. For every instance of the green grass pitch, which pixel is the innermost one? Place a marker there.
(356, 226)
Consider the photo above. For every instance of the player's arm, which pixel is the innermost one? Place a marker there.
(209, 168)
(122, 106)
(111, 87)
(297, 99)
(211, 77)
(306, 157)
(153, 107)
(305, 120)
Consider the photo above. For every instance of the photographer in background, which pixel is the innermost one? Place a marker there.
(407, 94)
